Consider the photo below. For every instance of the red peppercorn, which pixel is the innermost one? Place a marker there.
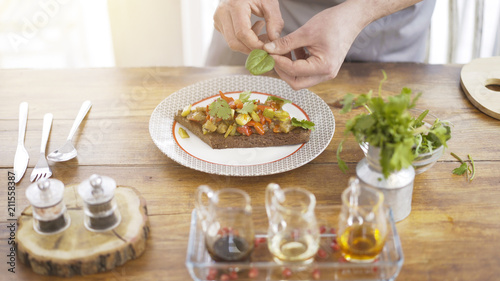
(224, 277)
(233, 275)
(316, 274)
(322, 229)
(322, 254)
(253, 273)
(287, 272)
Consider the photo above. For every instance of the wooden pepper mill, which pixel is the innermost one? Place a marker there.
(100, 209)
(49, 210)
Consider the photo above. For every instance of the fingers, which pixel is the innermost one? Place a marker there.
(300, 82)
(274, 20)
(303, 73)
(286, 44)
(243, 32)
(232, 20)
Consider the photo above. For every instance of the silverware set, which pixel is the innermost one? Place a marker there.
(64, 153)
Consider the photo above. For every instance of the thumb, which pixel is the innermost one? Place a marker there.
(285, 44)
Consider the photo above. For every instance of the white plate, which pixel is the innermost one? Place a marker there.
(194, 153)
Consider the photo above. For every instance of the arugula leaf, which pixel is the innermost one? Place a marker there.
(220, 108)
(306, 124)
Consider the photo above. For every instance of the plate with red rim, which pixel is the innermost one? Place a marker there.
(196, 154)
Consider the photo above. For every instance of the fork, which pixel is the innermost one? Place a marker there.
(42, 169)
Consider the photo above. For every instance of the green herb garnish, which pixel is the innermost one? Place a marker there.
(306, 124)
(259, 62)
(467, 168)
(220, 108)
(247, 107)
(245, 96)
(386, 126)
(278, 100)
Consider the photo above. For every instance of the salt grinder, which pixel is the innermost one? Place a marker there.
(101, 212)
(49, 210)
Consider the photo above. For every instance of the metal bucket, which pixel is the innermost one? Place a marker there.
(397, 188)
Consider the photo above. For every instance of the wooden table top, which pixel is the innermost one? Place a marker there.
(452, 233)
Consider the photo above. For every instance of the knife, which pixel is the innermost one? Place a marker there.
(22, 156)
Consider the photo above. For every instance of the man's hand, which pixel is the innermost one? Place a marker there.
(232, 20)
(319, 46)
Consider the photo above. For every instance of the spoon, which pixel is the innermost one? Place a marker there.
(68, 151)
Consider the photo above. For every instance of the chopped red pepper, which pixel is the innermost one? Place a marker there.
(224, 97)
(262, 107)
(262, 119)
(276, 128)
(244, 130)
(259, 128)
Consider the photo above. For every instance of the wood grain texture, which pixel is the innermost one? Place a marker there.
(452, 233)
(78, 251)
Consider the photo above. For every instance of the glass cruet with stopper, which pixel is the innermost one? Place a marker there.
(100, 208)
(363, 224)
(49, 211)
(293, 232)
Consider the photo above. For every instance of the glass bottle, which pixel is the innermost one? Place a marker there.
(397, 188)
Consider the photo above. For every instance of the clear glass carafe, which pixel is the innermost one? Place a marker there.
(226, 220)
(293, 233)
(363, 224)
(397, 188)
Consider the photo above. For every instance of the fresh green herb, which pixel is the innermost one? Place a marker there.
(247, 107)
(278, 100)
(460, 170)
(469, 168)
(427, 139)
(342, 165)
(259, 62)
(245, 96)
(306, 124)
(220, 108)
(386, 126)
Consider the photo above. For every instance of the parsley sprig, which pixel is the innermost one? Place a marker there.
(220, 108)
(386, 126)
(467, 168)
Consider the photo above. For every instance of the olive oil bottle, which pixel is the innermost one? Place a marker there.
(361, 243)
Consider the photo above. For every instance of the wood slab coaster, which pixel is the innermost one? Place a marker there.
(78, 251)
(480, 80)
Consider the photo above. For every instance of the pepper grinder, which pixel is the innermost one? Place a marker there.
(100, 209)
(49, 210)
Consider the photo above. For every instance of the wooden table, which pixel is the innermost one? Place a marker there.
(452, 233)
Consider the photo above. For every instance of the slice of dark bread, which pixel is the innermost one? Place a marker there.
(217, 141)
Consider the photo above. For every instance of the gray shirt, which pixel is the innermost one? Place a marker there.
(401, 36)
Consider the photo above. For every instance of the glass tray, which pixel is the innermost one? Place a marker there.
(327, 265)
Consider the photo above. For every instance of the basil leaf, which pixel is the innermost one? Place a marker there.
(259, 62)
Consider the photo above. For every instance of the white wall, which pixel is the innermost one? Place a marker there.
(146, 32)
